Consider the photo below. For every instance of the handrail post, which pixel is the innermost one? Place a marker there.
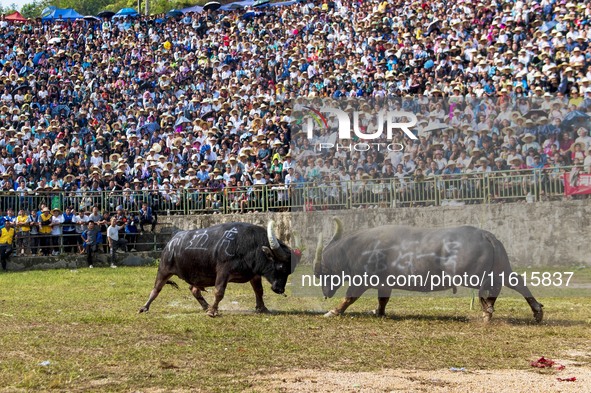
(437, 190)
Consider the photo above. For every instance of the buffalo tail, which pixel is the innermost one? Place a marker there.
(174, 284)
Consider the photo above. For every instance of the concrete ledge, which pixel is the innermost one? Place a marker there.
(74, 261)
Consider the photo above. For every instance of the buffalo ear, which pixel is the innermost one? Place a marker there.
(268, 252)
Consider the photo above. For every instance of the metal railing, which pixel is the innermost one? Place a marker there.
(46, 244)
(490, 187)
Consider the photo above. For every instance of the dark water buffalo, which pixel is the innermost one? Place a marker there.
(421, 258)
(232, 252)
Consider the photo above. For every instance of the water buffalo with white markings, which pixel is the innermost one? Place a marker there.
(231, 252)
(474, 258)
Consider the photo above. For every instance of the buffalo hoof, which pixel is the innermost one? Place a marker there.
(539, 315)
(486, 317)
(142, 310)
(212, 313)
(262, 310)
(378, 314)
(331, 313)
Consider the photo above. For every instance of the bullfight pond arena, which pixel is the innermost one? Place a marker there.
(66, 327)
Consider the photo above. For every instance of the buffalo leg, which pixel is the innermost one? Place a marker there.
(351, 297)
(221, 282)
(536, 307)
(488, 293)
(197, 294)
(257, 286)
(488, 308)
(161, 280)
(383, 298)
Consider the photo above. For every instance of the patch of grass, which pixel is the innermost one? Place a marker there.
(85, 323)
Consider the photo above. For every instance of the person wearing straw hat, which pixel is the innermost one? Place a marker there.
(530, 142)
(45, 231)
(57, 220)
(583, 137)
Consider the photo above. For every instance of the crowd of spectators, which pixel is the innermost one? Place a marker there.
(205, 102)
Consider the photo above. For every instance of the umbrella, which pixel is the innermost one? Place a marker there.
(47, 11)
(306, 154)
(37, 57)
(175, 14)
(105, 14)
(212, 5)
(433, 26)
(435, 126)
(195, 8)
(126, 12)
(260, 2)
(248, 15)
(16, 89)
(536, 113)
(208, 115)
(24, 70)
(234, 6)
(547, 26)
(573, 118)
(245, 136)
(146, 85)
(60, 108)
(91, 18)
(182, 120)
(55, 40)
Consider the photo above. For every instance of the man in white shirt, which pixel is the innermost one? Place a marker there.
(115, 243)
(57, 220)
(81, 221)
(258, 178)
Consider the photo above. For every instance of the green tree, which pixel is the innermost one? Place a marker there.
(8, 9)
(33, 10)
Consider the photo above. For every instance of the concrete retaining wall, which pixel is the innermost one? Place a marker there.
(536, 234)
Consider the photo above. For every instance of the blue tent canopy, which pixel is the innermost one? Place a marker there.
(62, 14)
(126, 12)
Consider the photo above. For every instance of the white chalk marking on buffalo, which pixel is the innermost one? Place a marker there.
(226, 240)
(198, 241)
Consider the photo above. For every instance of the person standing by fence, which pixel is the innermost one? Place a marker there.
(69, 230)
(56, 231)
(23, 228)
(91, 239)
(131, 230)
(80, 220)
(34, 233)
(45, 231)
(6, 242)
(115, 242)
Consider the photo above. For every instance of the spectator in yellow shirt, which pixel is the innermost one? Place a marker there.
(23, 229)
(6, 240)
(45, 231)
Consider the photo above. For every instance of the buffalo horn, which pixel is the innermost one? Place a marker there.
(271, 236)
(318, 257)
(338, 231)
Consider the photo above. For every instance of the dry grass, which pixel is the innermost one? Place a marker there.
(85, 323)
